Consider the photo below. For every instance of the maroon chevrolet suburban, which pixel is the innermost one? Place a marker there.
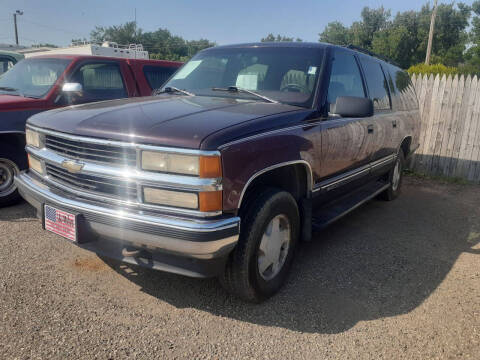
(243, 152)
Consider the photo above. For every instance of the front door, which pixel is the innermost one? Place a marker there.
(100, 80)
(347, 143)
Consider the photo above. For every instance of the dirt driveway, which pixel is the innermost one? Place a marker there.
(397, 280)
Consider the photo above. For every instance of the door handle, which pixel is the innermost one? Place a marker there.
(370, 129)
(394, 123)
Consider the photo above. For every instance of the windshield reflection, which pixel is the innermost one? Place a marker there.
(283, 74)
(32, 77)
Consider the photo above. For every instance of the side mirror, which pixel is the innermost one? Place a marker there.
(72, 88)
(352, 106)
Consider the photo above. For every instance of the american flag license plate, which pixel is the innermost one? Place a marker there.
(61, 223)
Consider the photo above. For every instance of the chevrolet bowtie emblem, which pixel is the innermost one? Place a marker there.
(72, 166)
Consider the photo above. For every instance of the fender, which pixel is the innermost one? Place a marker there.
(276, 166)
(243, 161)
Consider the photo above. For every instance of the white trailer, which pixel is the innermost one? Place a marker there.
(109, 49)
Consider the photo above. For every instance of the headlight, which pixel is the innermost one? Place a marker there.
(203, 166)
(170, 163)
(35, 164)
(33, 138)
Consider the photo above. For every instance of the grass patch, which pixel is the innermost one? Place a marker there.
(443, 179)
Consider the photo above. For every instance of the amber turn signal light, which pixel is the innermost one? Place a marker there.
(210, 201)
(210, 167)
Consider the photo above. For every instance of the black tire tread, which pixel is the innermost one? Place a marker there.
(18, 157)
(236, 275)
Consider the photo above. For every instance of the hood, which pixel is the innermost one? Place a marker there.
(169, 120)
(14, 103)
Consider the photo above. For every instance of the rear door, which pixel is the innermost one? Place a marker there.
(346, 142)
(383, 119)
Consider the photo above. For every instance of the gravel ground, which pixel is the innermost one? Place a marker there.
(397, 280)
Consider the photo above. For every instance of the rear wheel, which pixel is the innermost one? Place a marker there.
(395, 177)
(261, 261)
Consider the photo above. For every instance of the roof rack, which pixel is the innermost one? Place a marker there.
(371, 53)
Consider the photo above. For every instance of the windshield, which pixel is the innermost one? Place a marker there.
(284, 74)
(32, 77)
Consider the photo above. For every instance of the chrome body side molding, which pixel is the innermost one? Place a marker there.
(345, 178)
(276, 166)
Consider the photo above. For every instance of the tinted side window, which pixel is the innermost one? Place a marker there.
(377, 84)
(5, 64)
(156, 76)
(100, 81)
(401, 88)
(400, 78)
(345, 78)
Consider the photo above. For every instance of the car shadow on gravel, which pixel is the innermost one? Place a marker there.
(383, 260)
(19, 212)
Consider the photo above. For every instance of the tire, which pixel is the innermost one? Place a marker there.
(395, 177)
(10, 164)
(268, 221)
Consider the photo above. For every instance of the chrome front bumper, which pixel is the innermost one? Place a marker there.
(192, 247)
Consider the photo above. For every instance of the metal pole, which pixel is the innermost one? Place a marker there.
(16, 30)
(430, 34)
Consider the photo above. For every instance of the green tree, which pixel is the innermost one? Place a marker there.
(472, 55)
(122, 34)
(336, 33)
(161, 44)
(373, 20)
(271, 38)
(45, 45)
(404, 38)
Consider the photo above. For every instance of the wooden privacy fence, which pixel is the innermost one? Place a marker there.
(450, 126)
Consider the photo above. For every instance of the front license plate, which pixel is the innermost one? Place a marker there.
(61, 222)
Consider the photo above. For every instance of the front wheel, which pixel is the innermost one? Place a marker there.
(8, 190)
(261, 261)
(395, 177)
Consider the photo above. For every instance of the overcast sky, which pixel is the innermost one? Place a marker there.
(222, 21)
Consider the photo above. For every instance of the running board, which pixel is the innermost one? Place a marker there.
(330, 213)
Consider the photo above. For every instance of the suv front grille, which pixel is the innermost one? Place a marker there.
(107, 154)
(118, 189)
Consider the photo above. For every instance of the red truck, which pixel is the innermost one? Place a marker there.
(46, 82)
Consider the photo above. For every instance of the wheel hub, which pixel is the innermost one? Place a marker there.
(274, 247)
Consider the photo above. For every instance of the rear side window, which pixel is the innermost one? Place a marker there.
(157, 76)
(345, 78)
(377, 84)
(400, 79)
(5, 64)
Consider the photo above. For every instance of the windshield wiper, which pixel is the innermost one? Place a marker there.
(10, 89)
(171, 89)
(241, 90)
(6, 88)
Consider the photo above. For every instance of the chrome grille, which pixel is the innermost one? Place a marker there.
(118, 189)
(108, 154)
